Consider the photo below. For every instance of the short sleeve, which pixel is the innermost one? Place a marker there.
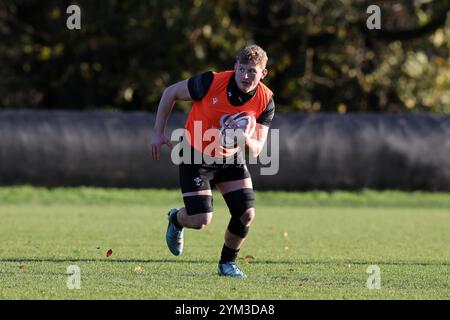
(265, 118)
(199, 85)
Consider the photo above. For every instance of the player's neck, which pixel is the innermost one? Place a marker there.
(235, 95)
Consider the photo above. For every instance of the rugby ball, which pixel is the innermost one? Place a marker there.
(234, 126)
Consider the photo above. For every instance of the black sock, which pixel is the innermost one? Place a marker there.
(175, 221)
(228, 254)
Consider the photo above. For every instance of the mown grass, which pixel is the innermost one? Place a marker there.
(313, 245)
(88, 195)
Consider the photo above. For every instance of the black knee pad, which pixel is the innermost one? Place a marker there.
(198, 204)
(239, 201)
(237, 228)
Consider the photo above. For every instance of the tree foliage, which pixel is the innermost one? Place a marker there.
(322, 56)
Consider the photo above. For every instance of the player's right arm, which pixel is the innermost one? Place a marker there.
(194, 88)
(177, 91)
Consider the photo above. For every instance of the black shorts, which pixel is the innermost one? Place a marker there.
(198, 177)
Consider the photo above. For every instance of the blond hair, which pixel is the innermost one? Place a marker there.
(252, 53)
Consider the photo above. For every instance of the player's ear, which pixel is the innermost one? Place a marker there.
(264, 73)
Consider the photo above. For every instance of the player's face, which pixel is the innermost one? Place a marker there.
(248, 75)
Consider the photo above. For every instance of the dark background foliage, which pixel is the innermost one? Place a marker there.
(322, 56)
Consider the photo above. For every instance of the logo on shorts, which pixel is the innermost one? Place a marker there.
(215, 100)
(198, 181)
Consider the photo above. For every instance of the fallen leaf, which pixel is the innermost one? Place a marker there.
(342, 265)
(138, 269)
(249, 258)
(109, 253)
(21, 267)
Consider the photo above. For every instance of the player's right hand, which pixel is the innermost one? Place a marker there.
(158, 139)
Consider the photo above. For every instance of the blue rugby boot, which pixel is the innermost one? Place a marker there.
(230, 269)
(174, 235)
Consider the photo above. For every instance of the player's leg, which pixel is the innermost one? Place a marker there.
(238, 195)
(239, 198)
(197, 212)
(197, 196)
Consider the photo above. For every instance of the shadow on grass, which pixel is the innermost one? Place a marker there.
(288, 262)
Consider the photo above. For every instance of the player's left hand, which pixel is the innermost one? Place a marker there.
(158, 140)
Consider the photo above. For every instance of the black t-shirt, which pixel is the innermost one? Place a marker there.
(199, 85)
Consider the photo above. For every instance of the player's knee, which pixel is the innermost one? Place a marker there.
(237, 228)
(202, 220)
(239, 201)
(248, 217)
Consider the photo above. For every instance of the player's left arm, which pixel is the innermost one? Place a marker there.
(256, 142)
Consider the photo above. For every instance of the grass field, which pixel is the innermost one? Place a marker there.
(313, 245)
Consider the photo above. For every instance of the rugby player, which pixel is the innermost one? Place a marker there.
(215, 95)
